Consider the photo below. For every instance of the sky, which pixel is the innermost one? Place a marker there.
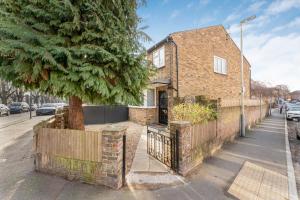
(271, 41)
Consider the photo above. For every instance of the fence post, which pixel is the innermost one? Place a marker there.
(182, 132)
(112, 156)
(124, 161)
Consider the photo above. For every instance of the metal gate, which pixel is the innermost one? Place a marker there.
(163, 146)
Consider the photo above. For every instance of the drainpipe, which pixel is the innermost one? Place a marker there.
(176, 62)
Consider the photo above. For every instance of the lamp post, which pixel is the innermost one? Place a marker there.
(243, 129)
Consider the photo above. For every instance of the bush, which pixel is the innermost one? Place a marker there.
(194, 113)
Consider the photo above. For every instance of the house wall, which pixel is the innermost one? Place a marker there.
(164, 72)
(196, 51)
(196, 76)
(143, 116)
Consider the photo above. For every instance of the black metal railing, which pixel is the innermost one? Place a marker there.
(162, 146)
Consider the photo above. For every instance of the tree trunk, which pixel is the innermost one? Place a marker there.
(75, 113)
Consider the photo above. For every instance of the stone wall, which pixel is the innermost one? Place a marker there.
(93, 157)
(143, 116)
(199, 141)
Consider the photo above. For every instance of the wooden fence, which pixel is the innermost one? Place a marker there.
(94, 157)
(198, 141)
(202, 133)
(75, 144)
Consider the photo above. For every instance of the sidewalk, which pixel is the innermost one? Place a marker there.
(262, 152)
(147, 172)
(254, 166)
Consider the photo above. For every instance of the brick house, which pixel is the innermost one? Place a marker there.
(196, 62)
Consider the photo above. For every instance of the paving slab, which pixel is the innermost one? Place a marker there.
(256, 182)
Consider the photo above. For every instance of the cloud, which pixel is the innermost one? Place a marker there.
(280, 6)
(274, 59)
(292, 24)
(204, 2)
(256, 6)
(174, 14)
(232, 17)
(204, 21)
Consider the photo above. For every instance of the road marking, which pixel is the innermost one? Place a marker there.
(293, 195)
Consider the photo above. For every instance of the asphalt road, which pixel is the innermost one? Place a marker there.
(6, 121)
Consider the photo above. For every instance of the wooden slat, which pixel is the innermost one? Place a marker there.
(83, 145)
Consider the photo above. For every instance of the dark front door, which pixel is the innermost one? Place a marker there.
(163, 107)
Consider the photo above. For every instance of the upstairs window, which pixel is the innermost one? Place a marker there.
(220, 65)
(159, 57)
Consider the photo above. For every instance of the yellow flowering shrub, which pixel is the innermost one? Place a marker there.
(195, 113)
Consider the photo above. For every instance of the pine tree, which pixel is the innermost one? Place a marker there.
(86, 50)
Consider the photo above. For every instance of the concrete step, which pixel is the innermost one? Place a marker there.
(153, 180)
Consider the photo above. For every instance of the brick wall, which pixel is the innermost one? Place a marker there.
(142, 115)
(196, 50)
(199, 141)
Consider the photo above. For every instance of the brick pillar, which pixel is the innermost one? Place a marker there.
(185, 144)
(112, 156)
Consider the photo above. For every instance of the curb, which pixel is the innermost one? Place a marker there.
(293, 195)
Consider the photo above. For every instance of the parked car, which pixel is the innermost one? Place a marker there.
(33, 107)
(47, 109)
(18, 107)
(4, 110)
(293, 113)
(61, 105)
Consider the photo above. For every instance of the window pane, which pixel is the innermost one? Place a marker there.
(156, 58)
(151, 97)
(162, 57)
(219, 65)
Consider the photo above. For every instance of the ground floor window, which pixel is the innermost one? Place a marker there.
(148, 98)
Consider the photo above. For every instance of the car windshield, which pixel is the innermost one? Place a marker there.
(49, 105)
(16, 104)
(295, 108)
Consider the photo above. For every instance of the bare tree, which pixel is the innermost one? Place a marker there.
(6, 91)
(19, 94)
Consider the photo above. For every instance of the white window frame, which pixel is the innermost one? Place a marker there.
(144, 103)
(222, 67)
(158, 57)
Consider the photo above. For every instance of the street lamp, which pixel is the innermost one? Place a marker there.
(243, 129)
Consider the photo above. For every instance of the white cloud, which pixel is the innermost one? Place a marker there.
(205, 20)
(280, 6)
(204, 2)
(293, 24)
(256, 6)
(274, 59)
(232, 17)
(174, 14)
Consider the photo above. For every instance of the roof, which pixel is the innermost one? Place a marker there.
(169, 38)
